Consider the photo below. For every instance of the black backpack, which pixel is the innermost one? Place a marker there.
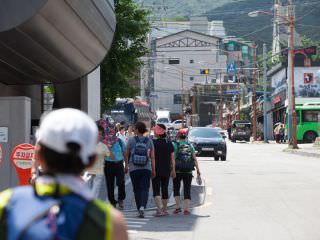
(140, 152)
(184, 158)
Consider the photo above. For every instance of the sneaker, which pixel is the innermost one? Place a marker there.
(120, 205)
(141, 214)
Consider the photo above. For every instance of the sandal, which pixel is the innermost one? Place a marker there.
(158, 213)
(186, 212)
(177, 211)
(165, 213)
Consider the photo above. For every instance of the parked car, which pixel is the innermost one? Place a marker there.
(209, 142)
(240, 130)
(177, 124)
(165, 121)
(221, 131)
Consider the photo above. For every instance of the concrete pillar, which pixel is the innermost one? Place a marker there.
(15, 116)
(91, 94)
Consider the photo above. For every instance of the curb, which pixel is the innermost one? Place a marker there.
(302, 153)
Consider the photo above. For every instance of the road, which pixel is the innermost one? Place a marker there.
(259, 193)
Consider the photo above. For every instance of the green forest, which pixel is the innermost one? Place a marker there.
(234, 13)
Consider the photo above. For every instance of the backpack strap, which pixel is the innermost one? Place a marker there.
(121, 144)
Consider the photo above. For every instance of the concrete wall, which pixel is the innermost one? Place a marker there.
(15, 114)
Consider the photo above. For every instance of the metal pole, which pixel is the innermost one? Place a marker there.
(254, 98)
(265, 123)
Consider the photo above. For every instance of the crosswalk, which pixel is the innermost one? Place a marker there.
(134, 223)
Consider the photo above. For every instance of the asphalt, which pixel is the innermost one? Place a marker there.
(260, 192)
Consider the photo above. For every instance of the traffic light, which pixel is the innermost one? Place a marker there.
(204, 71)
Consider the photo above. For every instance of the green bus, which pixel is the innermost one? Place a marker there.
(308, 122)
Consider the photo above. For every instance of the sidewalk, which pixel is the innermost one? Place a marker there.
(307, 150)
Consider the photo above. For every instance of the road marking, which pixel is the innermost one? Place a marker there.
(134, 223)
(132, 231)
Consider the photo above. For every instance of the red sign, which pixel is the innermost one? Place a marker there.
(0, 155)
(308, 78)
(21, 159)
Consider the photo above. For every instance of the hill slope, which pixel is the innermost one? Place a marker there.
(235, 15)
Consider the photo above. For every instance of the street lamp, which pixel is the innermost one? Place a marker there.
(292, 138)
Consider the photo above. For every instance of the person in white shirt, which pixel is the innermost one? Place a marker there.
(95, 175)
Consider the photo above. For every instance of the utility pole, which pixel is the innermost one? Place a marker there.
(238, 88)
(254, 96)
(221, 104)
(182, 100)
(265, 124)
(292, 128)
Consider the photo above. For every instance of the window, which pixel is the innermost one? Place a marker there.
(174, 61)
(177, 99)
(310, 115)
(191, 78)
(191, 61)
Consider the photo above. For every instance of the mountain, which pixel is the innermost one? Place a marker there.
(259, 29)
(234, 13)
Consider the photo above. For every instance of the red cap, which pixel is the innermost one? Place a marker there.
(182, 132)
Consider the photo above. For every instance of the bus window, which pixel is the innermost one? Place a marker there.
(310, 115)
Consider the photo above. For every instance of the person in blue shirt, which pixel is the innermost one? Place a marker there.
(114, 168)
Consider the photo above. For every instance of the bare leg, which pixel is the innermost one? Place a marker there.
(186, 204)
(164, 205)
(157, 200)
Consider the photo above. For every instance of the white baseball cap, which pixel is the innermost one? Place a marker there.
(68, 125)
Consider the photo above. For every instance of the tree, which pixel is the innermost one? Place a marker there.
(308, 42)
(123, 60)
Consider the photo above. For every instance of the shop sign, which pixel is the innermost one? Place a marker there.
(21, 159)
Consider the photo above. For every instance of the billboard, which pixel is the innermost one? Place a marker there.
(307, 81)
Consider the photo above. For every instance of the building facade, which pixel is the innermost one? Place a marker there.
(179, 63)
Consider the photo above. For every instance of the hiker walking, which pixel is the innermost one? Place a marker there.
(59, 205)
(114, 168)
(165, 167)
(186, 161)
(141, 164)
(95, 174)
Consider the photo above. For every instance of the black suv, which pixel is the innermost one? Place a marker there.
(240, 130)
(208, 142)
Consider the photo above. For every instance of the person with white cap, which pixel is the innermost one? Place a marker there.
(59, 206)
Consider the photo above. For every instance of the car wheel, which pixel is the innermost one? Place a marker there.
(223, 158)
(216, 158)
(309, 137)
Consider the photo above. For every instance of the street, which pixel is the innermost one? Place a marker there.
(260, 192)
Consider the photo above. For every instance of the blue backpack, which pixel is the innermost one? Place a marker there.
(140, 152)
(30, 216)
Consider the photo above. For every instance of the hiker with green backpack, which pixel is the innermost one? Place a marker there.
(59, 205)
(185, 161)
